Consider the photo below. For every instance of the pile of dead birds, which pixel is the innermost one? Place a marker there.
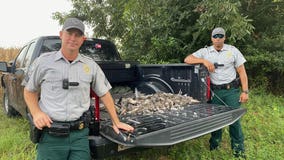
(153, 103)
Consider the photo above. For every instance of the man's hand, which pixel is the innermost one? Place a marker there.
(41, 120)
(122, 126)
(109, 104)
(210, 66)
(244, 97)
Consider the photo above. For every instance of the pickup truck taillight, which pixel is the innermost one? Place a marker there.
(96, 112)
(208, 91)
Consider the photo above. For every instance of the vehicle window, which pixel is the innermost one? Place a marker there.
(28, 56)
(50, 45)
(99, 51)
(20, 58)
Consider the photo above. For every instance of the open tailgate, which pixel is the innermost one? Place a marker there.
(173, 127)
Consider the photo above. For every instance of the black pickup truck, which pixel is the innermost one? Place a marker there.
(151, 130)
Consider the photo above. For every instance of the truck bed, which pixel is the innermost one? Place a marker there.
(174, 126)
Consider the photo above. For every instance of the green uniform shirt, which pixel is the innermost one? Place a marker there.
(46, 75)
(229, 56)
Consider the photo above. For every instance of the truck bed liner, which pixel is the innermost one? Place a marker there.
(174, 126)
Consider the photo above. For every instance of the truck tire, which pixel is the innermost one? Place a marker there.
(8, 109)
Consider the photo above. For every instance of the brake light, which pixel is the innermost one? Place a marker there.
(97, 105)
(96, 112)
(208, 91)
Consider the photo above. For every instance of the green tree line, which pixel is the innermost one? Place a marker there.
(165, 31)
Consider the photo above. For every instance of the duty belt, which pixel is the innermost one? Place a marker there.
(59, 128)
(233, 84)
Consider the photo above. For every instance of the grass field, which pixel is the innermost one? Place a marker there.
(263, 126)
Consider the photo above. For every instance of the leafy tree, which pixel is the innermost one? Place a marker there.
(165, 31)
(160, 30)
(266, 45)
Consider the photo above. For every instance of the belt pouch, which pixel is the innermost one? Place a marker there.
(61, 130)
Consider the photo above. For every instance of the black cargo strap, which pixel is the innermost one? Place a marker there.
(234, 84)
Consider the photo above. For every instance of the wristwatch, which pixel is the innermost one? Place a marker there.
(245, 91)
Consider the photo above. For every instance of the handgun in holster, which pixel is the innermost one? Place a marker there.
(35, 134)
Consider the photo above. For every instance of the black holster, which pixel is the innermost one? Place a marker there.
(35, 134)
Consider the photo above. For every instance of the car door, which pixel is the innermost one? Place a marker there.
(21, 65)
(10, 79)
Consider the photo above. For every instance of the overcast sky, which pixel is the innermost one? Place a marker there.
(23, 20)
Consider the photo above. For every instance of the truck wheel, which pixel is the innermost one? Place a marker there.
(8, 109)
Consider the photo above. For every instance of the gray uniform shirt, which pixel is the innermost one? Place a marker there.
(46, 75)
(230, 56)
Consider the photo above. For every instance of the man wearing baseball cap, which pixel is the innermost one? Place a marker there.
(229, 83)
(62, 113)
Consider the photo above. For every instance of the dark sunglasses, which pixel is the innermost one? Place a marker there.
(218, 36)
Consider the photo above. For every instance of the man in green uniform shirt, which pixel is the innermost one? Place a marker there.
(223, 62)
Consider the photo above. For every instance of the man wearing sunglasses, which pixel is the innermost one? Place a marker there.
(224, 62)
